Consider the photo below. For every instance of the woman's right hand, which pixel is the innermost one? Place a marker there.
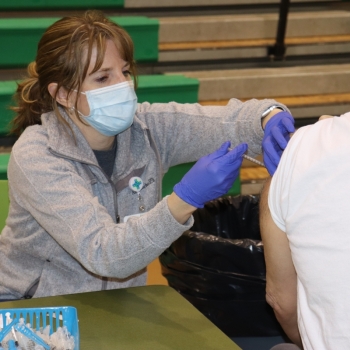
(211, 176)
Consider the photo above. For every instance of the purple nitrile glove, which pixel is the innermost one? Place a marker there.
(211, 176)
(276, 138)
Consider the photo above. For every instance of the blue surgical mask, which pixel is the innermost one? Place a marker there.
(112, 108)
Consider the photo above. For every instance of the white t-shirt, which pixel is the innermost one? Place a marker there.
(309, 199)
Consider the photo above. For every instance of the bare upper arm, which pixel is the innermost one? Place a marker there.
(281, 282)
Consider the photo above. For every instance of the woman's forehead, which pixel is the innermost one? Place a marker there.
(110, 57)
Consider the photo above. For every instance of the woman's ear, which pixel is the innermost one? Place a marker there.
(61, 97)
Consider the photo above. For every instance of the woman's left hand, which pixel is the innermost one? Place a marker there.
(276, 137)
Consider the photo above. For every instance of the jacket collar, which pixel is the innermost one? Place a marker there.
(63, 142)
(130, 146)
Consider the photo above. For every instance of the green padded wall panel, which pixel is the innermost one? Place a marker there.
(4, 159)
(58, 4)
(167, 88)
(20, 37)
(4, 203)
(144, 32)
(7, 89)
(175, 174)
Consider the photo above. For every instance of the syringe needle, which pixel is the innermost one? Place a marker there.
(253, 160)
(250, 158)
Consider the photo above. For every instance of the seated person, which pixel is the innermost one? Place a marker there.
(78, 221)
(304, 218)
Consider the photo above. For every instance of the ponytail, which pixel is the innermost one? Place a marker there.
(28, 102)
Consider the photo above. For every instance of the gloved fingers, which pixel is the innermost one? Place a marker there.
(271, 155)
(270, 165)
(272, 148)
(277, 135)
(268, 146)
(289, 124)
(281, 138)
(231, 160)
(229, 183)
(229, 168)
(221, 151)
(282, 119)
(236, 154)
(224, 169)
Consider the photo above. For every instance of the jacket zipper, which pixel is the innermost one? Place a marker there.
(117, 218)
(160, 174)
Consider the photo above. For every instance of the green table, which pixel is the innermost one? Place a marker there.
(148, 318)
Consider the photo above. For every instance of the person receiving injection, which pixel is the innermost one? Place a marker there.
(85, 175)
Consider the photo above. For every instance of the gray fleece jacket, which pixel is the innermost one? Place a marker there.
(62, 235)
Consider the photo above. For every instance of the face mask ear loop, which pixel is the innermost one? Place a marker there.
(81, 92)
(72, 109)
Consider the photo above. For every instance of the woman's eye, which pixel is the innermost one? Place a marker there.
(102, 79)
(127, 73)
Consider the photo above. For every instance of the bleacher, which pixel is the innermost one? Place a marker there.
(216, 49)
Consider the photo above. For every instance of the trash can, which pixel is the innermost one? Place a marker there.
(218, 266)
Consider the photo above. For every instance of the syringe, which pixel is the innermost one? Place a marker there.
(254, 160)
(250, 158)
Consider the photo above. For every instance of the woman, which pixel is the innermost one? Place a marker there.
(86, 211)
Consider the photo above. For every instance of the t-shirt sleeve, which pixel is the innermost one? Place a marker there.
(278, 197)
(274, 200)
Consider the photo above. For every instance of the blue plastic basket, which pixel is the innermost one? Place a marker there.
(53, 316)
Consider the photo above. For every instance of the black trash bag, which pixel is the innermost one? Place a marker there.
(218, 266)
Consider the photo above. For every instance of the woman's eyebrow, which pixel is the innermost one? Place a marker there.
(101, 70)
